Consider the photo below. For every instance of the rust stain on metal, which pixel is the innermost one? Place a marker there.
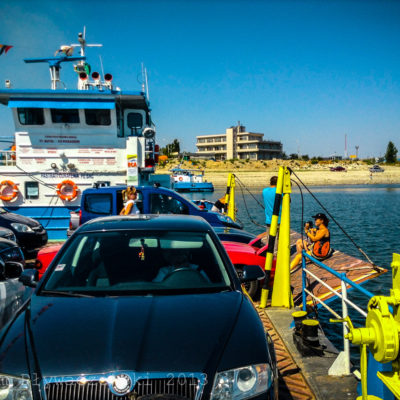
(292, 384)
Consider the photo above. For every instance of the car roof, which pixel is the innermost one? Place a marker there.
(147, 222)
(109, 189)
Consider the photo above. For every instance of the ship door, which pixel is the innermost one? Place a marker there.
(134, 122)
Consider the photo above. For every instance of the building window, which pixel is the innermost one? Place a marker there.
(210, 140)
(98, 117)
(67, 116)
(31, 190)
(31, 116)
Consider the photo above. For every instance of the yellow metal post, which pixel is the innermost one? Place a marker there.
(271, 240)
(381, 336)
(230, 197)
(281, 293)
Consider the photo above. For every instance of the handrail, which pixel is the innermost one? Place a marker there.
(344, 281)
(339, 275)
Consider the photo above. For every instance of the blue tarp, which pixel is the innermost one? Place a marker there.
(62, 103)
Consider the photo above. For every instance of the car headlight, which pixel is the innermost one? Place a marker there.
(242, 383)
(225, 218)
(13, 253)
(21, 227)
(14, 388)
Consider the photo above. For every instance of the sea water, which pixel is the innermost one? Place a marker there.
(370, 214)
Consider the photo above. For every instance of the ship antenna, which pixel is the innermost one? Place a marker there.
(143, 80)
(147, 84)
(101, 64)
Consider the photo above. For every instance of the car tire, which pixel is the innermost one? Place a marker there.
(252, 287)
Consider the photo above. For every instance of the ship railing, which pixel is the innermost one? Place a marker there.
(7, 157)
(341, 293)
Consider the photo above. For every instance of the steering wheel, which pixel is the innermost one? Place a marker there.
(185, 270)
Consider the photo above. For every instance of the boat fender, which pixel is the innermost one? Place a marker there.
(67, 197)
(11, 196)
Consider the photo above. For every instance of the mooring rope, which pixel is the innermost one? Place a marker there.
(337, 223)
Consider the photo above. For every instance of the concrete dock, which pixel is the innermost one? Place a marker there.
(303, 378)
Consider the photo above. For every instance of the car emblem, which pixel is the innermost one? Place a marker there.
(122, 384)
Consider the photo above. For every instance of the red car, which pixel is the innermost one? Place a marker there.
(240, 254)
(338, 169)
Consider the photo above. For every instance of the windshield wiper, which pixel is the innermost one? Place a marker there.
(63, 293)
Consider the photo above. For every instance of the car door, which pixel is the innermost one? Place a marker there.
(161, 203)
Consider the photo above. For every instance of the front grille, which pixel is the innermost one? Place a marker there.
(145, 389)
(37, 228)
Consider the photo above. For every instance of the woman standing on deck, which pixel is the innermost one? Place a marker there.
(320, 246)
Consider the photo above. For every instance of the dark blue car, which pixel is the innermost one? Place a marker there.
(98, 202)
(139, 307)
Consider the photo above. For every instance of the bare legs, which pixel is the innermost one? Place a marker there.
(300, 246)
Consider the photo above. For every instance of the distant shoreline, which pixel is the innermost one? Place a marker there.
(311, 178)
(255, 175)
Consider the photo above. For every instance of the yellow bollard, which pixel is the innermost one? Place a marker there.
(281, 293)
(230, 197)
(271, 240)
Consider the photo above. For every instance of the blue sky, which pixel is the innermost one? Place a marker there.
(302, 72)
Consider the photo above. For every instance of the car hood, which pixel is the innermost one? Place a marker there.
(238, 247)
(188, 333)
(11, 217)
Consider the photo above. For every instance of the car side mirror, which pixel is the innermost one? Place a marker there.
(10, 269)
(251, 273)
(29, 277)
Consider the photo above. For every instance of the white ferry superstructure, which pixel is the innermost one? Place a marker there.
(69, 140)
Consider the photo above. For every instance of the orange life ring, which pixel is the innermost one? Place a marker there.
(11, 196)
(67, 197)
(180, 178)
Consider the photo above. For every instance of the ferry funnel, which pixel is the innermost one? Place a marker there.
(108, 77)
(83, 76)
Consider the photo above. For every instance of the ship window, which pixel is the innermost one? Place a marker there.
(67, 116)
(134, 121)
(31, 190)
(31, 116)
(98, 117)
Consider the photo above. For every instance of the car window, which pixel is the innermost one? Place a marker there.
(164, 204)
(133, 262)
(98, 203)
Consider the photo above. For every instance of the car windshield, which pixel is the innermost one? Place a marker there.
(136, 262)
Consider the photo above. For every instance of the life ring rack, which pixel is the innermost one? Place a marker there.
(72, 195)
(180, 178)
(11, 196)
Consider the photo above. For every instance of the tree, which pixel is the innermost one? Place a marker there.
(391, 153)
(176, 148)
(293, 156)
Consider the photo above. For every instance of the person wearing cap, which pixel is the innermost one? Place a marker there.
(319, 246)
(130, 206)
(219, 205)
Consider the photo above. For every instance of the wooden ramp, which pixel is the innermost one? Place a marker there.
(357, 270)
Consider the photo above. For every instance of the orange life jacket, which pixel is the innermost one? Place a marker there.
(322, 248)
